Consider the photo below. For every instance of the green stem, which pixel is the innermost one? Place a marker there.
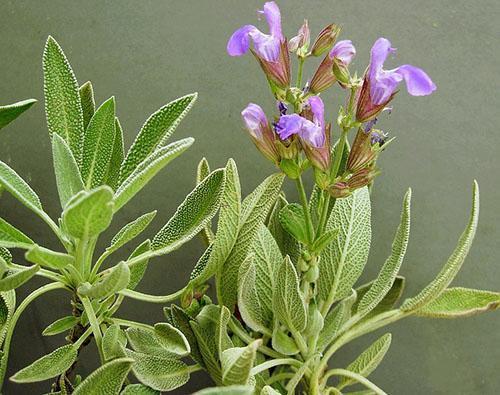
(324, 213)
(355, 376)
(274, 362)
(339, 150)
(133, 324)
(279, 377)
(83, 337)
(94, 324)
(53, 226)
(152, 298)
(42, 273)
(99, 262)
(80, 256)
(298, 83)
(305, 207)
(299, 340)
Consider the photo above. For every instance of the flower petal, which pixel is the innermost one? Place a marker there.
(239, 42)
(344, 51)
(318, 110)
(312, 134)
(273, 17)
(379, 52)
(418, 83)
(289, 125)
(254, 119)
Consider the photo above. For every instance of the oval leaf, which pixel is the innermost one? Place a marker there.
(61, 325)
(172, 339)
(237, 362)
(113, 341)
(47, 258)
(106, 380)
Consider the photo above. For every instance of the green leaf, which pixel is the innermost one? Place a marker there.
(268, 390)
(368, 360)
(62, 99)
(223, 340)
(255, 210)
(202, 172)
(162, 374)
(130, 231)
(147, 169)
(5, 254)
(11, 111)
(192, 215)
(293, 221)
(89, 213)
(86, 92)
(113, 282)
(383, 284)
(237, 362)
(181, 321)
(155, 132)
(7, 307)
(138, 389)
(138, 270)
(452, 266)
(113, 176)
(147, 342)
(343, 260)
(11, 237)
(288, 305)
(106, 380)
(50, 365)
(68, 178)
(205, 336)
(229, 390)
(17, 278)
(172, 339)
(61, 325)
(113, 342)
(47, 258)
(98, 145)
(282, 342)
(287, 244)
(324, 240)
(460, 302)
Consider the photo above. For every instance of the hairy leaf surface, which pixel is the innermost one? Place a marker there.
(86, 92)
(112, 282)
(237, 363)
(106, 380)
(61, 325)
(48, 258)
(113, 176)
(11, 237)
(130, 231)
(10, 112)
(113, 342)
(17, 278)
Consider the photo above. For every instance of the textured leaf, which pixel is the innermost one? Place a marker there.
(288, 305)
(172, 339)
(283, 342)
(5, 254)
(205, 336)
(130, 231)
(50, 365)
(17, 278)
(138, 270)
(147, 342)
(192, 215)
(223, 340)
(255, 209)
(200, 269)
(106, 380)
(113, 341)
(343, 260)
(62, 99)
(86, 92)
(138, 389)
(368, 360)
(237, 363)
(113, 176)
(11, 237)
(89, 213)
(293, 221)
(229, 390)
(68, 178)
(47, 258)
(162, 374)
(11, 111)
(268, 390)
(147, 169)
(113, 282)
(452, 266)
(461, 302)
(383, 284)
(202, 172)
(287, 244)
(181, 321)
(7, 307)
(98, 145)
(155, 132)
(61, 325)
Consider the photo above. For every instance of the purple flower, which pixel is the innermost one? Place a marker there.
(344, 51)
(267, 46)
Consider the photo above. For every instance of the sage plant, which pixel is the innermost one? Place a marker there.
(286, 273)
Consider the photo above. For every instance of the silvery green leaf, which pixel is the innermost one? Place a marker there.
(255, 209)
(113, 176)
(324, 240)
(138, 270)
(288, 305)
(223, 340)
(181, 321)
(228, 390)
(205, 336)
(146, 341)
(282, 342)
(106, 380)
(368, 360)
(62, 100)
(460, 302)
(89, 213)
(138, 389)
(48, 258)
(11, 111)
(200, 270)
(162, 374)
(5, 254)
(387, 302)
(192, 215)
(314, 203)
(17, 278)
(287, 244)
(293, 221)
(147, 169)
(383, 284)
(268, 390)
(98, 145)
(68, 179)
(7, 307)
(86, 92)
(110, 283)
(237, 362)
(113, 342)
(202, 171)
(48, 366)
(343, 260)
(61, 325)
(452, 266)
(130, 231)
(155, 132)
(172, 339)
(11, 237)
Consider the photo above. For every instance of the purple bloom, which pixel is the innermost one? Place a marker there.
(267, 46)
(344, 51)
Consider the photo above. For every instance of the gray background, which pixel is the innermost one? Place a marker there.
(149, 52)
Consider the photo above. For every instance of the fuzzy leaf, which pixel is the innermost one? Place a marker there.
(50, 365)
(62, 99)
(86, 92)
(17, 278)
(287, 244)
(138, 389)
(68, 178)
(202, 172)
(98, 145)
(147, 342)
(268, 390)
(106, 380)
(293, 221)
(288, 305)
(181, 321)
(172, 339)
(155, 132)
(10, 112)
(228, 390)
(113, 282)
(455, 261)
(47, 258)
(192, 215)
(11, 237)
(205, 336)
(138, 270)
(113, 176)
(7, 307)
(383, 284)
(223, 340)
(343, 260)
(282, 342)
(113, 341)
(89, 213)
(461, 302)
(130, 231)
(61, 325)
(147, 169)
(237, 363)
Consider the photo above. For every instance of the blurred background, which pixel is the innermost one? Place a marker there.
(147, 53)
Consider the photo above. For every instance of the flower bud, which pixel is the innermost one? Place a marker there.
(340, 190)
(278, 72)
(365, 149)
(325, 40)
(300, 43)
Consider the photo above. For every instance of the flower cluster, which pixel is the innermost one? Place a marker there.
(298, 139)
